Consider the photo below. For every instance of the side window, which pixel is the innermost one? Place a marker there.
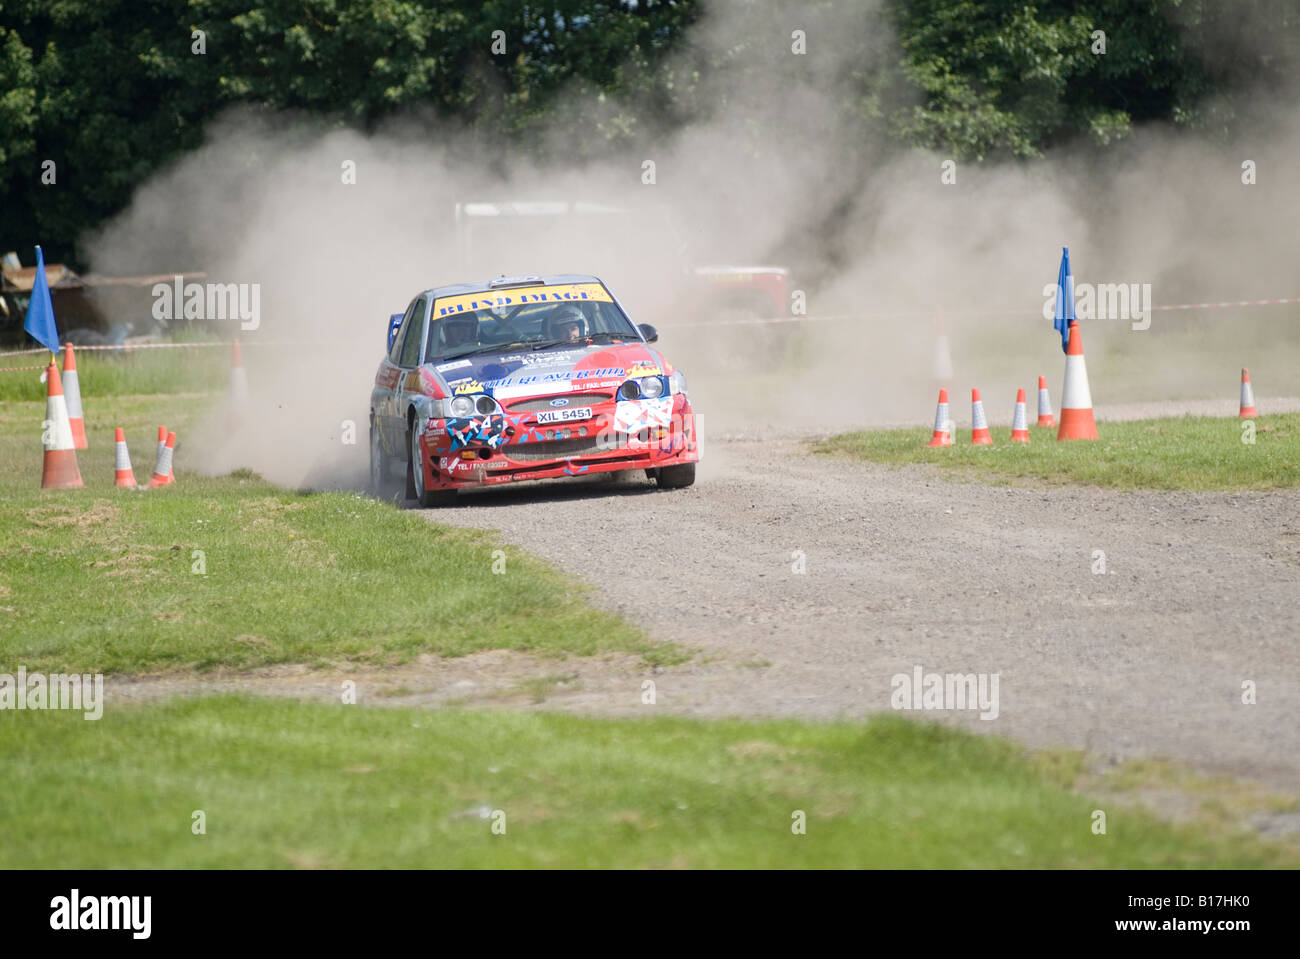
(414, 327)
(395, 351)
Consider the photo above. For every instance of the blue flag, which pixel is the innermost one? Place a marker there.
(1064, 299)
(40, 311)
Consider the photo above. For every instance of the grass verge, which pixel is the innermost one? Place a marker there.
(285, 784)
(1187, 453)
(235, 572)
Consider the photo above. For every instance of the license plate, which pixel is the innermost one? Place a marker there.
(564, 416)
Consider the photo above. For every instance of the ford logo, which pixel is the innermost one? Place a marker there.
(562, 401)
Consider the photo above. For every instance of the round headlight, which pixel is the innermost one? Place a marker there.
(462, 406)
(630, 390)
(651, 387)
(485, 405)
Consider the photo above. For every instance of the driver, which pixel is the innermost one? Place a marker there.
(567, 324)
(459, 330)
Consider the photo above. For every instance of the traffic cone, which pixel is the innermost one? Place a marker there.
(72, 390)
(1247, 397)
(59, 470)
(162, 442)
(162, 471)
(942, 426)
(122, 473)
(979, 426)
(1020, 424)
(1045, 417)
(1076, 400)
(238, 385)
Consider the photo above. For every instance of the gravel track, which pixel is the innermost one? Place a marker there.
(1201, 593)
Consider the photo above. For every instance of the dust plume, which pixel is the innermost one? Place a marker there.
(770, 171)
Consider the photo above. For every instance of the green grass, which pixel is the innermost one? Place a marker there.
(106, 373)
(290, 784)
(103, 580)
(1187, 453)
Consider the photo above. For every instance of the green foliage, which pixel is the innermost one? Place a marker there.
(113, 90)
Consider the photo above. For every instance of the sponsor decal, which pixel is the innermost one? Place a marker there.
(519, 295)
(643, 369)
(469, 386)
(631, 416)
(454, 365)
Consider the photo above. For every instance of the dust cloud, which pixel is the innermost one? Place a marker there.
(770, 172)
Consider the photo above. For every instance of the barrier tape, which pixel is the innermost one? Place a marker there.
(842, 317)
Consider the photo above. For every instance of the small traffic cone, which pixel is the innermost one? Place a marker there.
(162, 471)
(122, 472)
(1076, 399)
(979, 426)
(1247, 397)
(162, 441)
(59, 470)
(1020, 424)
(1045, 417)
(238, 386)
(942, 425)
(72, 390)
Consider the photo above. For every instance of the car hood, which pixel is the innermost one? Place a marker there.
(542, 372)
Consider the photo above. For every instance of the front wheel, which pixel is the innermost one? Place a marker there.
(415, 477)
(676, 477)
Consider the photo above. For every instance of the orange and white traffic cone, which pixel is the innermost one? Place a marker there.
(1045, 417)
(942, 425)
(123, 475)
(72, 390)
(238, 386)
(1247, 397)
(1076, 399)
(162, 471)
(162, 442)
(59, 470)
(979, 426)
(1020, 423)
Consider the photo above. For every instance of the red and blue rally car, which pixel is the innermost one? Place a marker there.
(524, 378)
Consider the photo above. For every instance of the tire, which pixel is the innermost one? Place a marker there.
(415, 478)
(382, 484)
(676, 477)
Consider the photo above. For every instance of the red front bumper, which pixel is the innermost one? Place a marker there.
(521, 450)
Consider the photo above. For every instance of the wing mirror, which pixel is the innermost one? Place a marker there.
(394, 322)
(649, 332)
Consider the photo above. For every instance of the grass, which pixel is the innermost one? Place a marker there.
(235, 572)
(1187, 453)
(295, 785)
(107, 373)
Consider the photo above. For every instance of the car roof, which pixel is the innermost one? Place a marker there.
(509, 282)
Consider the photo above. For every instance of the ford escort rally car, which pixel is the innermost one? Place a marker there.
(524, 378)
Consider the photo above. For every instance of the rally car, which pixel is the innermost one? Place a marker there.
(524, 378)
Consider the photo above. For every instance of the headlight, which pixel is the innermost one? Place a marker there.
(461, 406)
(677, 382)
(646, 388)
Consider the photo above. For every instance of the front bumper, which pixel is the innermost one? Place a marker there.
(505, 448)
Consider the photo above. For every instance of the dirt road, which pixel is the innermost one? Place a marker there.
(1200, 594)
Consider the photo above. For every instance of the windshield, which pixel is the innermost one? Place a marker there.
(528, 318)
